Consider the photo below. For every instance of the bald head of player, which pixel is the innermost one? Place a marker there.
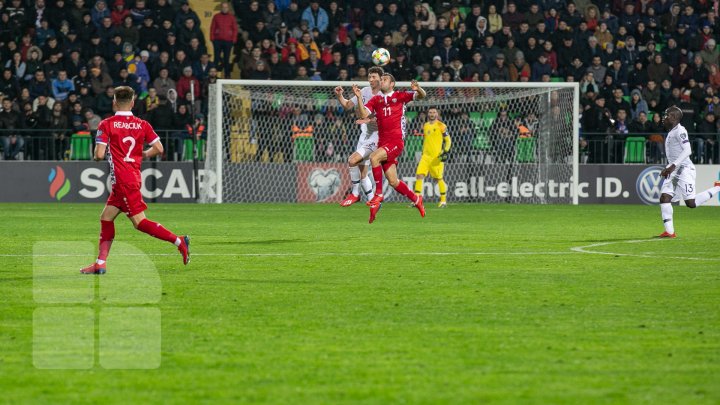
(124, 98)
(672, 117)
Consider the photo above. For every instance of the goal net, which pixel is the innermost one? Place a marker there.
(288, 141)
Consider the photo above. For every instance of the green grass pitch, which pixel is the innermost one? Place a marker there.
(311, 304)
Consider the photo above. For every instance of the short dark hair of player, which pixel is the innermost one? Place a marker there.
(124, 94)
(392, 78)
(376, 69)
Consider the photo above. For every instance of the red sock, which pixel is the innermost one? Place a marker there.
(107, 234)
(154, 229)
(378, 175)
(403, 189)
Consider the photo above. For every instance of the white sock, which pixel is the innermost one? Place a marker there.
(367, 187)
(667, 215)
(706, 195)
(177, 242)
(355, 179)
(100, 262)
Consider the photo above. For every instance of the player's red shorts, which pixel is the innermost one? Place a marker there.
(394, 150)
(128, 198)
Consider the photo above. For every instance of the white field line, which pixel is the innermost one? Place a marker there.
(314, 254)
(586, 249)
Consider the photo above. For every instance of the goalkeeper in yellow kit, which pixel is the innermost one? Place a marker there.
(436, 145)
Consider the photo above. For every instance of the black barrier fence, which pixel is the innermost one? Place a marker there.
(66, 145)
(595, 148)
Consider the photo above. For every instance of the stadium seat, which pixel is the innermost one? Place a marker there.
(525, 150)
(557, 79)
(483, 122)
(635, 149)
(303, 149)
(659, 47)
(410, 115)
(413, 147)
(278, 100)
(626, 98)
(188, 149)
(321, 101)
(650, 116)
(80, 147)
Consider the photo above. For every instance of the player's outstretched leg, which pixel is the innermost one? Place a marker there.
(402, 188)
(708, 194)
(158, 231)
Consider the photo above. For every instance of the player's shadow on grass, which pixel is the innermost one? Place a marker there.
(616, 239)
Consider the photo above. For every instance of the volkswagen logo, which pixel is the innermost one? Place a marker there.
(648, 185)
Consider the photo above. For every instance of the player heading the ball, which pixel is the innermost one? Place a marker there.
(389, 110)
(126, 135)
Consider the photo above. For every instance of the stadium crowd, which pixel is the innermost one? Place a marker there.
(632, 59)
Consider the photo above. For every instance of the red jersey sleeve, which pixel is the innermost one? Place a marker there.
(150, 136)
(101, 136)
(406, 96)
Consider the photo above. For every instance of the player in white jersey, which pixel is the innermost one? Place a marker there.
(367, 143)
(679, 174)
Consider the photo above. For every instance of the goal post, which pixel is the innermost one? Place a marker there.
(288, 141)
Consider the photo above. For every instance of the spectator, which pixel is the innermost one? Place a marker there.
(637, 78)
(700, 72)
(99, 80)
(62, 86)
(272, 17)
(316, 16)
(315, 67)
(186, 12)
(39, 85)
(637, 104)
(499, 72)
(12, 142)
(709, 54)
(117, 16)
(202, 67)
(163, 83)
(282, 36)
(58, 124)
(163, 11)
(682, 74)
(541, 68)
(658, 70)
(98, 12)
(494, 20)
(187, 80)
(259, 32)
(292, 16)
(189, 30)
(223, 34)
(519, 68)
(305, 46)
(128, 31)
(617, 102)
(149, 34)
(365, 50)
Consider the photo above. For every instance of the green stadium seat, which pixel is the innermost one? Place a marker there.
(410, 115)
(525, 150)
(557, 79)
(659, 47)
(188, 149)
(464, 11)
(80, 147)
(635, 149)
(626, 98)
(321, 101)
(413, 145)
(303, 149)
(650, 116)
(278, 100)
(483, 122)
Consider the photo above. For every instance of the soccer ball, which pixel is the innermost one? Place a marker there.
(381, 57)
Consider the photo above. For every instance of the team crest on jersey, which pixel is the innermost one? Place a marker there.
(394, 100)
(683, 135)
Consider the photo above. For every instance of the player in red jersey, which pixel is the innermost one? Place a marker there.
(126, 135)
(389, 110)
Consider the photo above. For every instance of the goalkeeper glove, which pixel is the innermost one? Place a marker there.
(443, 156)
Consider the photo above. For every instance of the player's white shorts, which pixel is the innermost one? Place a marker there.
(366, 146)
(680, 184)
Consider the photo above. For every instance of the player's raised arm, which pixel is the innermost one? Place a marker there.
(361, 111)
(420, 91)
(345, 103)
